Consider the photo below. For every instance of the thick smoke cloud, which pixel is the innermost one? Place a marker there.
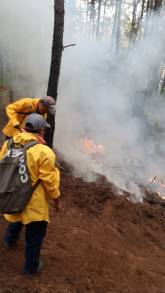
(102, 96)
(108, 98)
(25, 44)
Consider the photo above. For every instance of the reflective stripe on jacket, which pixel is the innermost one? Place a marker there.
(41, 165)
(17, 113)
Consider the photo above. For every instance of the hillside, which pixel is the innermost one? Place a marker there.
(99, 242)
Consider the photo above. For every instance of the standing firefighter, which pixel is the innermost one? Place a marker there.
(40, 163)
(18, 111)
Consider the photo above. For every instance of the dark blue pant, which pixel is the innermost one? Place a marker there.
(34, 235)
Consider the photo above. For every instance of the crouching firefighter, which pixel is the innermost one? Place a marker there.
(32, 181)
(18, 111)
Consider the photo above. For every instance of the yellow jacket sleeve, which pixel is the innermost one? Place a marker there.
(49, 174)
(3, 150)
(24, 105)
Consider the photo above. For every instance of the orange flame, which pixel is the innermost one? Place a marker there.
(90, 147)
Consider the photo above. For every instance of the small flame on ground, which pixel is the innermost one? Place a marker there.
(158, 184)
(90, 147)
(94, 150)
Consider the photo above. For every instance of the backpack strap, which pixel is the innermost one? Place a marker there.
(27, 146)
(10, 142)
(25, 113)
(36, 184)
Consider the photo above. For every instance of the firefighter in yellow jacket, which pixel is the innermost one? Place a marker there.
(35, 217)
(18, 111)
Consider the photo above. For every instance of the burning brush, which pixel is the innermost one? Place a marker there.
(157, 186)
(95, 150)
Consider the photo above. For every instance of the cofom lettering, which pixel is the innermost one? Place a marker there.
(22, 169)
(13, 153)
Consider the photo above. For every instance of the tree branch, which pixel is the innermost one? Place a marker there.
(71, 45)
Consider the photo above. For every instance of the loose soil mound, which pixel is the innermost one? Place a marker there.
(99, 243)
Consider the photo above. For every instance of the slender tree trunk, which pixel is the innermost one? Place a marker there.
(142, 10)
(133, 23)
(103, 23)
(157, 4)
(116, 26)
(87, 17)
(57, 48)
(163, 86)
(148, 5)
(92, 24)
(98, 20)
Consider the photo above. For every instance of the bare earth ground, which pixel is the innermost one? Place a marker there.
(99, 243)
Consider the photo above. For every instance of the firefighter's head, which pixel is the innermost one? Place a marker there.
(36, 123)
(46, 105)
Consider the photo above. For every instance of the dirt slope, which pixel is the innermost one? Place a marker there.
(99, 243)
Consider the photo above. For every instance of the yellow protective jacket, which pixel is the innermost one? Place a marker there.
(17, 113)
(41, 165)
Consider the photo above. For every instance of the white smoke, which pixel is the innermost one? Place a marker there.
(102, 96)
(25, 45)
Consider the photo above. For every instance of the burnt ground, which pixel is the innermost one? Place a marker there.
(98, 243)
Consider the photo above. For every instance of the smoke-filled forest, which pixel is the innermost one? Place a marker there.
(108, 236)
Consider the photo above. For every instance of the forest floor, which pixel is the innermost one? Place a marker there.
(98, 243)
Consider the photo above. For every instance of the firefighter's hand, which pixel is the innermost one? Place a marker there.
(57, 205)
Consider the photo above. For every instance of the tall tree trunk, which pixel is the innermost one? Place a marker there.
(148, 5)
(57, 48)
(92, 24)
(163, 86)
(157, 4)
(103, 23)
(142, 10)
(98, 20)
(133, 23)
(116, 26)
